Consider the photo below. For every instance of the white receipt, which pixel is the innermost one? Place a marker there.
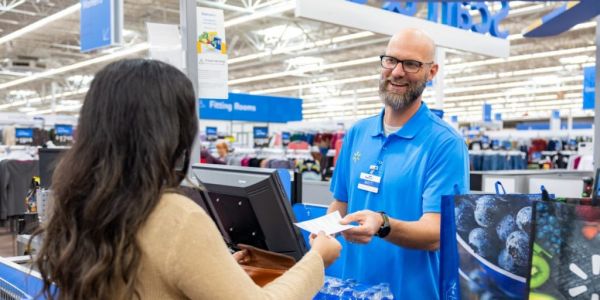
(330, 224)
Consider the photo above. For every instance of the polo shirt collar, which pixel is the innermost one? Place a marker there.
(410, 129)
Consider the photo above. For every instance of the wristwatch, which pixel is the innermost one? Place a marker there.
(385, 228)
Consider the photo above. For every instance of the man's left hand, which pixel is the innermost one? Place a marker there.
(369, 224)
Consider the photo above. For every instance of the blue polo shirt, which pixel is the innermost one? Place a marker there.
(417, 164)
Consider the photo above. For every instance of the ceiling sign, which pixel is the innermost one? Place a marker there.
(389, 21)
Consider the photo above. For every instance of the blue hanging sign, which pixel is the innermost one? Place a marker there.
(211, 133)
(589, 86)
(252, 108)
(101, 24)
(487, 113)
(498, 117)
(24, 133)
(63, 130)
(260, 132)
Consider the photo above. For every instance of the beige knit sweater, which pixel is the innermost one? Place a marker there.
(185, 257)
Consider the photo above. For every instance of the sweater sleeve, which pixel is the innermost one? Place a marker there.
(201, 267)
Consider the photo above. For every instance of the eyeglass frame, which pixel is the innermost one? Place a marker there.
(401, 62)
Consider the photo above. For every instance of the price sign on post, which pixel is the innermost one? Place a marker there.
(64, 134)
(211, 134)
(24, 136)
(261, 136)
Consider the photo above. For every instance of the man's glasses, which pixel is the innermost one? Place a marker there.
(408, 65)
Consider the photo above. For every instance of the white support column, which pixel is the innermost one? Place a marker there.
(187, 23)
(597, 100)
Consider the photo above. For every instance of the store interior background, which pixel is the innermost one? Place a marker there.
(335, 71)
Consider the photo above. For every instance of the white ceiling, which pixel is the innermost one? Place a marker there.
(330, 67)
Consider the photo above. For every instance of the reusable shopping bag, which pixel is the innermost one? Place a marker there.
(485, 246)
(566, 251)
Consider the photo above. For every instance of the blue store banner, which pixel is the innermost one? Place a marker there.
(589, 84)
(101, 23)
(253, 108)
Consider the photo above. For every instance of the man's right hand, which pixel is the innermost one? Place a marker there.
(369, 223)
(327, 246)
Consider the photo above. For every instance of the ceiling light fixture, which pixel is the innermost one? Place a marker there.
(302, 46)
(41, 23)
(262, 13)
(127, 51)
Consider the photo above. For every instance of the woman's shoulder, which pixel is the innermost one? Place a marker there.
(178, 204)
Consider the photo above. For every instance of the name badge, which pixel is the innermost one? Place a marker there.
(369, 182)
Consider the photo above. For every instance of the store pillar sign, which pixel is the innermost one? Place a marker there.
(285, 138)
(589, 85)
(212, 54)
(261, 136)
(64, 133)
(456, 14)
(24, 136)
(101, 24)
(261, 132)
(252, 108)
(211, 133)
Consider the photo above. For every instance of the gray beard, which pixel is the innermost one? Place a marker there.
(399, 102)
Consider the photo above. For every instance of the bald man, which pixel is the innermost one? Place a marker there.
(391, 174)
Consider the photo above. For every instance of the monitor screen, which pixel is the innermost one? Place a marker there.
(49, 158)
(250, 207)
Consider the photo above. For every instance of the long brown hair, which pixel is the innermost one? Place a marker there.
(136, 129)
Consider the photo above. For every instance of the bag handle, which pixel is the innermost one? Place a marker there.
(499, 185)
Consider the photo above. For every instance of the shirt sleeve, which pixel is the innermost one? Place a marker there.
(201, 267)
(448, 167)
(340, 179)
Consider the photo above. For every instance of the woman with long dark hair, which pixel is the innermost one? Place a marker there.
(118, 230)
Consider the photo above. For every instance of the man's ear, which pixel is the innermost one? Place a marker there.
(432, 72)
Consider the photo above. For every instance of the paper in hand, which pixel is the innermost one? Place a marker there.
(330, 224)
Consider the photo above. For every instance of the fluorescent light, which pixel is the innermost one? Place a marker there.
(22, 93)
(40, 99)
(457, 68)
(69, 102)
(277, 32)
(261, 14)
(127, 51)
(327, 83)
(41, 23)
(58, 108)
(302, 46)
(303, 70)
(578, 59)
(27, 109)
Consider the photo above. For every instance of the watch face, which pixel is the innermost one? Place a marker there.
(384, 231)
